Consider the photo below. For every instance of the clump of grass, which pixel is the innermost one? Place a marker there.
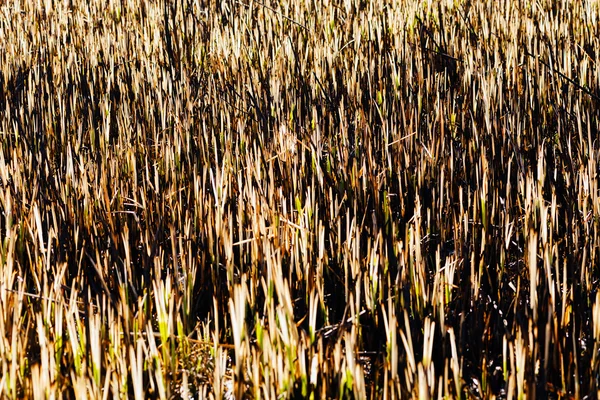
(263, 200)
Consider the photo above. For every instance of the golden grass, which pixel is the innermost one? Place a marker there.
(369, 199)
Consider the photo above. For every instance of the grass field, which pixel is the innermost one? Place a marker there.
(299, 199)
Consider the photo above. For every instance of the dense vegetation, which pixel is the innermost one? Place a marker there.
(381, 199)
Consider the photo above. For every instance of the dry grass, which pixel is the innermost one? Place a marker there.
(360, 199)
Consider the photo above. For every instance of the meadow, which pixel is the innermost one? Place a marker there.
(299, 199)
